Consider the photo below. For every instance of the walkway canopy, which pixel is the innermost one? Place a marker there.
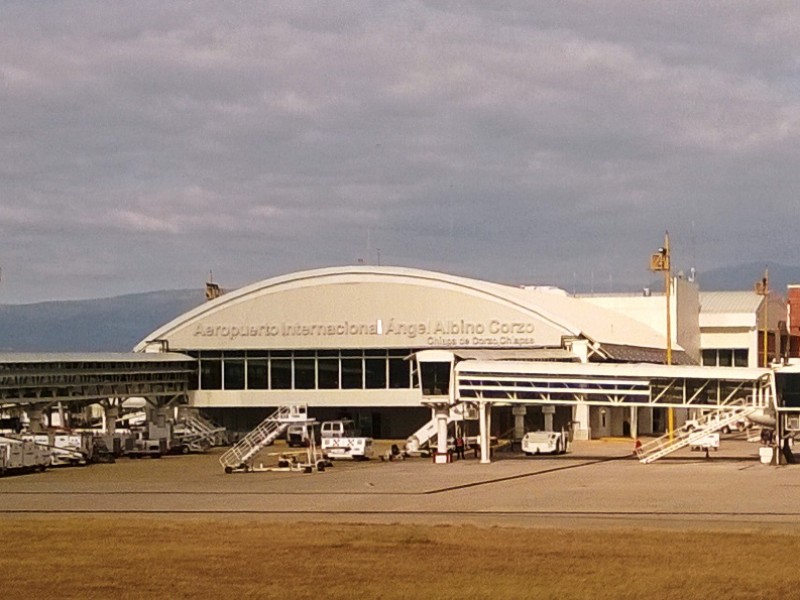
(32, 379)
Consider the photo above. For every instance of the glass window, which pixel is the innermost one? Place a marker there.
(328, 373)
(280, 374)
(740, 357)
(725, 358)
(375, 373)
(211, 374)
(304, 374)
(234, 374)
(435, 378)
(709, 358)
(399, 373)
(352, 374)
(194, 380)
(257, 374)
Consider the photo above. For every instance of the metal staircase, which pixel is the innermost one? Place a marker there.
(712, 422)
(424, 436)
(197, 434)
(241, 454)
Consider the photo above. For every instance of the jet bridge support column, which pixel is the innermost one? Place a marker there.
(519, 411)
(110, 416)
(442, 415)
(634, 422)
(485, 428)
(582, 428)
(35, 419)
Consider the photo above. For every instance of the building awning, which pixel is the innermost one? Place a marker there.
(637, 354)
(552, 354)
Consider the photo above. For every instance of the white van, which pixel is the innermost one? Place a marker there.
(342, 428)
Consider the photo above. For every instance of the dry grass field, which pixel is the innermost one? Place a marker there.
(213, 557)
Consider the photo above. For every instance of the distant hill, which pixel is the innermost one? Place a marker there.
(102, 325)
(117, 324)
(744, 277)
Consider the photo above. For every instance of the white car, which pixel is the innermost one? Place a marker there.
(545, 442)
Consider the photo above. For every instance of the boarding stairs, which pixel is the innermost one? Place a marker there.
(240, 455)
(196, 433)
(691, 434)
(425, 435)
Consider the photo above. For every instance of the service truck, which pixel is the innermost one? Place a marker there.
(341, 440)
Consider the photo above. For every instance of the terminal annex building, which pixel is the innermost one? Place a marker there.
(342, 340)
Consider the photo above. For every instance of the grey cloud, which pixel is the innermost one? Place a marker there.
(147, 143)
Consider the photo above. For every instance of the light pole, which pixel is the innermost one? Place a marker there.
(660, 261)
(762, 289)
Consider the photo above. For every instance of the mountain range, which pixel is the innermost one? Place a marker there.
(117, 324)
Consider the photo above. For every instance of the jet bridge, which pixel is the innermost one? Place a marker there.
(485, 383)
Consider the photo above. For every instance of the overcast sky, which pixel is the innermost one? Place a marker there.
(145, 144)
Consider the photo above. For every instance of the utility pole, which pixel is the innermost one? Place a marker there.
(660, 261)
(762, 289)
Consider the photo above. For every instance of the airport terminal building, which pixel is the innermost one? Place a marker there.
(340, 340)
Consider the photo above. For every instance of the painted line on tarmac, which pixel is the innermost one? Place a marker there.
(464, 486)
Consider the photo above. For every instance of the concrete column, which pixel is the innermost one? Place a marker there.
(110, 416)
(582, 429)
(484, 425)
(35, 423)
(634, 422)
(548, 412)
(519, 411)
(644, 421)
(161, 416)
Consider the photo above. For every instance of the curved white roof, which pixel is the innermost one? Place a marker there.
(567, 315)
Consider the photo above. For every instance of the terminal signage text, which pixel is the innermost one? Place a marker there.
(461, 332)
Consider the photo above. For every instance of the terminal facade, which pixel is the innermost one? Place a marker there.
(342, 340)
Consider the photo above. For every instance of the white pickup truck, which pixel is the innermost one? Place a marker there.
(340, 440)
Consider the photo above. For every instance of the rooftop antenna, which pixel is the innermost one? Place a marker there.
(692, 270)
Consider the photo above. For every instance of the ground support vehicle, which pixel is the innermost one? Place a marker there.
(341, 440)
(545, 442)
(298, 436)
(240, 457)
(706, 443)
(355, 448)
(22, 456)
(138, 448)
(66, 449)
(192, 433)
(306, 461)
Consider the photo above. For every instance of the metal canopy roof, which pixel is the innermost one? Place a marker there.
(616, 370)
(91, 357)
(85, 378)
(730, 302)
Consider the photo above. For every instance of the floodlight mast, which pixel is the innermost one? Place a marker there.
(660, 261)
(762, 289)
